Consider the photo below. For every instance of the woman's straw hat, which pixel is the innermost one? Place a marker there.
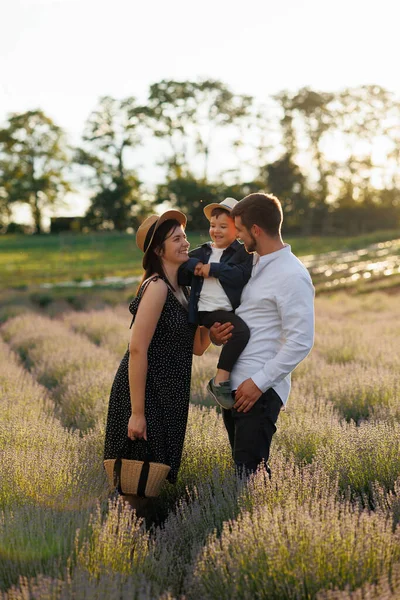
(146, 231)
(228, 204)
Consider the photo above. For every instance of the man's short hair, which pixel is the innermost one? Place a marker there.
(260, 209)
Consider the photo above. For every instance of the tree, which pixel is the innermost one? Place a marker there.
(190, 196)
(285, 179)
(289, 136)
(5, 212)
(393, 157)
(364, 116)
(112, 128)
(217, 107)
(187, 114)
(33, 158)
(253, 144)
(315, 112)
(307, 119)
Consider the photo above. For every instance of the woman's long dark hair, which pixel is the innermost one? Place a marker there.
(153, 262)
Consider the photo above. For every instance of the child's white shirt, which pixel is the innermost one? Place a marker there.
(212, 295)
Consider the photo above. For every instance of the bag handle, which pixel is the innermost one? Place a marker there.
(144, 473)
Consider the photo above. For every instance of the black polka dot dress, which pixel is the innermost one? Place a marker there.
(167, 391)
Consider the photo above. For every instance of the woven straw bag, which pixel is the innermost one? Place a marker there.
(136, 477)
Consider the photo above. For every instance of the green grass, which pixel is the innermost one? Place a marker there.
(303, 246)
(32, 260)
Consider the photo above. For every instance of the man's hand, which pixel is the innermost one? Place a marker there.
(198, 268)
(246, 396)
(205, 271)
(220, 334)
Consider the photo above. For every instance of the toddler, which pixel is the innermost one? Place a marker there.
(217, 272)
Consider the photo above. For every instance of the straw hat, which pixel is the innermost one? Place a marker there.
(227, 204)
(146, 231)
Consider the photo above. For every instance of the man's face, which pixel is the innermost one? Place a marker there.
(245, 235)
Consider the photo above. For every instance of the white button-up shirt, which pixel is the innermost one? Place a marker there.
(277, 304)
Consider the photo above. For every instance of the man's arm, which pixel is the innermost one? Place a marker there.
(220, 333)
(296, 308)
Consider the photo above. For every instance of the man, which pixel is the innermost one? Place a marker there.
(277, 304)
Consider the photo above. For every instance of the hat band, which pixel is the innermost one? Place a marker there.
(148, 237)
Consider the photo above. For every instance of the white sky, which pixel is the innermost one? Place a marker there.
(62, 55)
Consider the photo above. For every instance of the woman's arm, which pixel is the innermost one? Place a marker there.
(201, 341)
(143, 330)
(218, 335)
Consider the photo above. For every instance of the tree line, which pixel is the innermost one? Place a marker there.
(333, 158)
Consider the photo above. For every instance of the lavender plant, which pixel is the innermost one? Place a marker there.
(294, 551)
(325, 526)
(106, 328)
(79, 372)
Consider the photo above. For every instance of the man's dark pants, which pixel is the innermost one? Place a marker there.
(250, 433)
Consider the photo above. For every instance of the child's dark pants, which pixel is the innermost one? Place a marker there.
(236, 344)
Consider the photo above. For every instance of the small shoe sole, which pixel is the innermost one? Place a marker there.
(216, 399)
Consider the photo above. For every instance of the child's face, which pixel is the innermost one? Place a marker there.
(222, 230)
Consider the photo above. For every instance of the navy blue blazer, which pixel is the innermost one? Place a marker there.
(233, 272)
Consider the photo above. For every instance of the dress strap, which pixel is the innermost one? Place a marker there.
(142, 290)
(145, 285)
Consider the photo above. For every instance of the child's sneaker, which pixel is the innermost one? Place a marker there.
(221, 393)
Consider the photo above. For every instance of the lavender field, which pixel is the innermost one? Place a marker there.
(326, 526)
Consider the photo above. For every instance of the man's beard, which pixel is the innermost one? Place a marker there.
(252, 246)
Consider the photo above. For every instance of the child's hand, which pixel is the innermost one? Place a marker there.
(198, 268)
(205, 271)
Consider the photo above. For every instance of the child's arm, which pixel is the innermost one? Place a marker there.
(235, 272)
(188, 270)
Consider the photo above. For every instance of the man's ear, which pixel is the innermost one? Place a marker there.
(255, 230)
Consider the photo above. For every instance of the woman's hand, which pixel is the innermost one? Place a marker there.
(137, 427)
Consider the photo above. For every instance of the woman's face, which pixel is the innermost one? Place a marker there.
(176, 246)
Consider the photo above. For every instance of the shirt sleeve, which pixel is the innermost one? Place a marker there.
(236, 272)
(295, 304)
(186, 270)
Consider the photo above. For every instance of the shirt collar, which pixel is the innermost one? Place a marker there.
(262, 261)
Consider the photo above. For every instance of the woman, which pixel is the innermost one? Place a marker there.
(150, 395)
